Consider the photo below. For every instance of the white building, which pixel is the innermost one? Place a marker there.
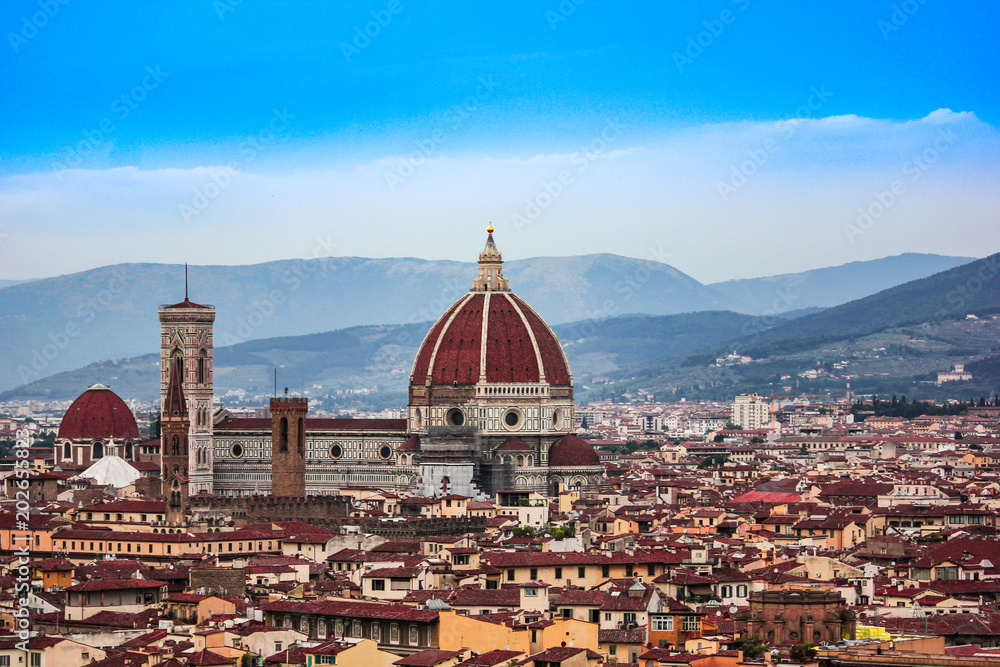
(751, 411)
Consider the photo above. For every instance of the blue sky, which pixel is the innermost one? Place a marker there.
(235, 132)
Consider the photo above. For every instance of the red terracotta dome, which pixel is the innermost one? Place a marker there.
(411, 444)
(570, 451)
(490, 334)
(98, 413)
(519, 346)
(513, 444)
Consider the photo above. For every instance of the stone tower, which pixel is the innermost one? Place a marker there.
(175, 427)
(186, 335)
(288, 446)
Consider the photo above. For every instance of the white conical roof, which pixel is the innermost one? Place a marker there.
(112, 470)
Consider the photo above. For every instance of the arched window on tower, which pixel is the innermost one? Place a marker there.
(128, 451)
(67, 451)
(301, 439)
(98, 451)
(175, 447)
(283, 435)
(202, 366)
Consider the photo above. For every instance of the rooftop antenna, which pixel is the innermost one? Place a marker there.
(185, 281)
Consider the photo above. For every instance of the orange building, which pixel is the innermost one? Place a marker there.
(53, 572)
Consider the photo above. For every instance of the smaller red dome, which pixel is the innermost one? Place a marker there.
(570, 451)
(98, 413)
(513, 444)
(412, 444)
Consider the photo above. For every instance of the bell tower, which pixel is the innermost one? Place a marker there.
(186, 343)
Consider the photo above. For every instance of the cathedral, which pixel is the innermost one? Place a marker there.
(490, 408)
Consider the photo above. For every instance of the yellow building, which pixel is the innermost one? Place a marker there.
(456, 632)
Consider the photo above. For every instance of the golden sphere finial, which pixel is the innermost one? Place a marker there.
(489, 230)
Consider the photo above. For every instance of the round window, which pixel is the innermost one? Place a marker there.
(557, 419)
(237, 451)
(385, 451)
(513, 419)
(455, 417)
(336, 451)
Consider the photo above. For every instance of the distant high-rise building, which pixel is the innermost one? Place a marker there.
(751, 411)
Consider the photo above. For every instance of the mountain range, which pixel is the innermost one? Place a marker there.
(369, 366)
(59, 324)
(831, 286)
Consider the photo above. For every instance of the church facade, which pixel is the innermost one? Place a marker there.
(490, 408)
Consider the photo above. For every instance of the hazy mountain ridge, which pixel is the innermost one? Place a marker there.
(379, 358)
(61, 323)
(894, 341)
(970, 289)
(831, 286)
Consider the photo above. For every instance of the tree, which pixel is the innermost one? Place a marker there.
(756, 441)
(713, 461)
(751, 647)
(583, 424)
(803, 652)
(718, 438)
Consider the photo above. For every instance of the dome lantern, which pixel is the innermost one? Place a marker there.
(490, 278)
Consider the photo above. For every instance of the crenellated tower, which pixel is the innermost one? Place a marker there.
(288, 446)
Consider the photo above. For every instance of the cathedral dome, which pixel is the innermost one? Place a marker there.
(495, 337)
(490, 335)
(96, 414)
(570, 451)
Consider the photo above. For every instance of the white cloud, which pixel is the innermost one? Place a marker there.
(803, 181)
